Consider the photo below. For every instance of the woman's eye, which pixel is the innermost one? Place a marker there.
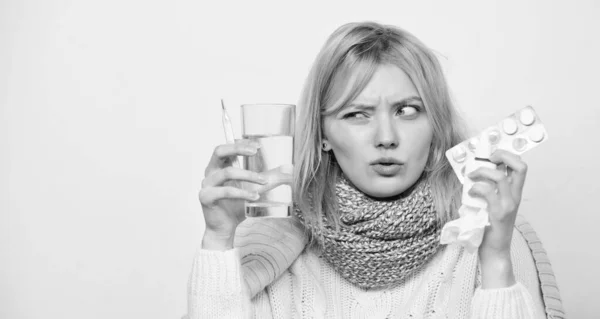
(409, 110)
(355, 115)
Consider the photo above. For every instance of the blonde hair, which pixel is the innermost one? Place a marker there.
(346, 64)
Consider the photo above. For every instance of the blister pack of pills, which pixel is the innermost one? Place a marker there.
(517, 133)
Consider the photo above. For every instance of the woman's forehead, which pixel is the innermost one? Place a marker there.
(388, 83)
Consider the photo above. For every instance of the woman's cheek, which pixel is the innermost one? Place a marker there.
(425, 142)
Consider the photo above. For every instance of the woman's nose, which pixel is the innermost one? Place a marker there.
(386, 133)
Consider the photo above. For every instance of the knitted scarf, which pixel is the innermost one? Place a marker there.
(380, 243)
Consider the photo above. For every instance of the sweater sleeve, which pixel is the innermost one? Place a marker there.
(513, 302)
(215, 287)
(232, 283)
(522, 300)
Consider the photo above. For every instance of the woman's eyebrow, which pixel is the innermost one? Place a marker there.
(362, 106)
(367, 106)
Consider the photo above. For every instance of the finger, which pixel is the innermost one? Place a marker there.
(208, 196)
(281, 175)
(219, 177)
(224, 154)
(493, 175)
(486, 191)
(503, 168)
(517, 168)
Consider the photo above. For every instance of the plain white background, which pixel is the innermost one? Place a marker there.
(110, 111)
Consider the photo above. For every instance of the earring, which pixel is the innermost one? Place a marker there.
(325, 147)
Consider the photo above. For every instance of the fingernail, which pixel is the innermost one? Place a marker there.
(251, 149)
(261, 179)
(287, 169)
(255, 144)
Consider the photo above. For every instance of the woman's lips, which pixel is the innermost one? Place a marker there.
(387, 169)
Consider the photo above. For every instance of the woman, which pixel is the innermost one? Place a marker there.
(372, 189)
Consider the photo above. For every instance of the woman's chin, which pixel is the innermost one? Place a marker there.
(385, 192)
(379, 187)
(388, 189)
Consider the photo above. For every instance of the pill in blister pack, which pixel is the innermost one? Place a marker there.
(517, 133)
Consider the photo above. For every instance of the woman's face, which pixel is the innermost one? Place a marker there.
(381, 140)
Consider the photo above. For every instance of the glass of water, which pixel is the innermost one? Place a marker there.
(272, 126)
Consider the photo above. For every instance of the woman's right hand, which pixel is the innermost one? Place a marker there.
(226, 187)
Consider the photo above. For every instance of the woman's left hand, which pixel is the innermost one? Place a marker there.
(502, 190)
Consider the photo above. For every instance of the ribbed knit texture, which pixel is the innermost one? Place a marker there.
(220, 284)
(311, 288)
(503, 303)
(547, 281)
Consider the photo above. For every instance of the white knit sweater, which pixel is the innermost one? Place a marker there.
(252, 281)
